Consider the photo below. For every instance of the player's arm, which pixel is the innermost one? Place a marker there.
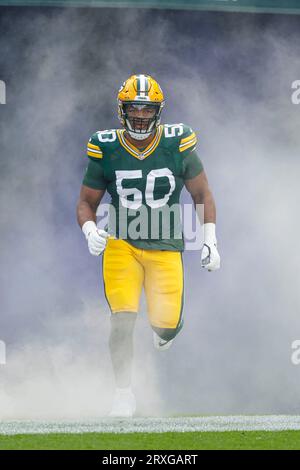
(194, 175)
(89, 199)
(196, 183)
(92, 191)
(199, 189)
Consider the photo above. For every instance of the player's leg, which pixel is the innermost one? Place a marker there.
(164, 287)
(123, 280)
(121, 346)
(121, 353)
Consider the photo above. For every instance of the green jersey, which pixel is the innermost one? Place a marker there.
(144, 185)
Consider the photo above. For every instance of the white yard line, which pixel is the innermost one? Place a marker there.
(180, 424)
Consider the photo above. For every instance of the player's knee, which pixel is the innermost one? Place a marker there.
(123, 317)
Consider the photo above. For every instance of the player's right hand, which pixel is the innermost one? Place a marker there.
(96, 237)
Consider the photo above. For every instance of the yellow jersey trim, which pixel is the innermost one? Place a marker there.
(134, 151)
(94, 154)
(92, 146)
(187, 145)
(189, 137)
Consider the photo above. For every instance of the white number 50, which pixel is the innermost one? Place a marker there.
(136, 195)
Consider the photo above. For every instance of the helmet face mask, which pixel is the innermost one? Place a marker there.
(140, 119)
(140, 102)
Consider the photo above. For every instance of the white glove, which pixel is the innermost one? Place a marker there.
(210, 258)
(96, 237)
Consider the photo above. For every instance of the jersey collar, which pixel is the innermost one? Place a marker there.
(134, 150)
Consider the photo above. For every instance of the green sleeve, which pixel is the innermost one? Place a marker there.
(94, 175)
(192, 165)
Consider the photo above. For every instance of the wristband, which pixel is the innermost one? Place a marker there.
(210, 233)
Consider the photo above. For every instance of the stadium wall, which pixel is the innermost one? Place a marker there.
(249, 6)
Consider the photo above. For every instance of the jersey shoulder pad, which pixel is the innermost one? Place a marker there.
(101, 142)
(188, 139)
(93, 147)
(180, 136)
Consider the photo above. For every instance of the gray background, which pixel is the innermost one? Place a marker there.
(228, 76)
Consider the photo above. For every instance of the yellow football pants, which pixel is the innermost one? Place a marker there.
(127, 269)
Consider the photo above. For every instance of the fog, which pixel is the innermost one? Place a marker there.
(228, 76)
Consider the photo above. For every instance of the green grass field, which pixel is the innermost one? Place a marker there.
(287, 440)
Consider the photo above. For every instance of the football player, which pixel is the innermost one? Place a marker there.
(143, 166)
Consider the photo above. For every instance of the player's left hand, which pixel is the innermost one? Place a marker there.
(210, 258)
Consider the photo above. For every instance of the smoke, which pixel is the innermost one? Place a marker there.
(229, 76)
